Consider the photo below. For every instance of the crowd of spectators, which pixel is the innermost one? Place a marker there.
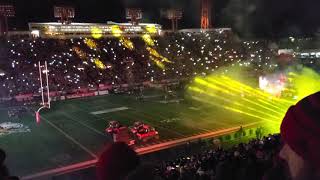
(293, 154)
(85, 63)
(255, 160)
(244, 161)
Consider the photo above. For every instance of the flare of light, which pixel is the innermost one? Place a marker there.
(157, 58)
(234, 96)
(155, 53)
(96, 32)
(305, 83)
(116, 31)
(90, 43)
(223, 91)
(151, 28)
(127, 43)
(82, 55)
(99, 64)
(148, 40)
(158, 63)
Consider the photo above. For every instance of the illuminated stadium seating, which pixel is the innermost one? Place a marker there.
(87, 63)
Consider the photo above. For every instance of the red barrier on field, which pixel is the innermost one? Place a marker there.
(38, 117)
(24, 97)
(105, 87)
(73, 96)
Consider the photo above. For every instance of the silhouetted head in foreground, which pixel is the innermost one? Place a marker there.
(300, 131)
(116, 162)
(2, 156)
(3, 169)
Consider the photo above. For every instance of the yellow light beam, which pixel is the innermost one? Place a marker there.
(275, 122)
(230, 86)
(195, 89)
(203, 82)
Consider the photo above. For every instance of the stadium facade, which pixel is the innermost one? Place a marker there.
(74, 30)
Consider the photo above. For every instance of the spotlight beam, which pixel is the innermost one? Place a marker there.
(235, 110)
(195, 89)
(229, 86)
(206, 84)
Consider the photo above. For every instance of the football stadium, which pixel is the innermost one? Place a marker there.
(69, 91)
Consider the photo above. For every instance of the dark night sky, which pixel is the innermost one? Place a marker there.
(261, 18)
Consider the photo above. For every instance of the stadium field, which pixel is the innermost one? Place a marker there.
(73, 130)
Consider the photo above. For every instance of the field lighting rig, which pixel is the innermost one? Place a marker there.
(44, 89)
(174, 15)
(6, 11)
(134, 14)
(65, 13)
(205, 14)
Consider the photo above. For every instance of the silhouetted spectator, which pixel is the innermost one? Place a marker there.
(116, 162)
(2, 156)
(300, 130)
(277, 172)
(3, 169)
(143, 172)
(12, 178)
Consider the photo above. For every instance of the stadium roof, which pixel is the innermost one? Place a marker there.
(205, 30)
(92, 24)
(59, 30)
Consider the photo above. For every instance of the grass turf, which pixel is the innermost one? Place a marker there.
(68, 133)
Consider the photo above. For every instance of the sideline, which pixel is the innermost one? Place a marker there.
(140, 151)
(70, 138)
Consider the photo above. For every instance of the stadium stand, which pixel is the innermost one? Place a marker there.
(83, 65)
(245, 161)
(79, 66)
(252, 160)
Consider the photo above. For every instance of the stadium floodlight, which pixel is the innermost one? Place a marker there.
(6, 11)
(205, 14)
(174, 15)
(134, 14)
(46, 101)
(65, 13)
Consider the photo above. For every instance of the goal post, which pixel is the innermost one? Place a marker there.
(44, 89)
(37, 117)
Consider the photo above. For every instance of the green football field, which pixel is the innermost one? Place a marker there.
(73, 130)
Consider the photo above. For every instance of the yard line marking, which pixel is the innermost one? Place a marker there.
(86, 112)
(170, 101)
(141, 113)
(187, 117)
(142, 150)
(83, 124)
(152, 96)
(194, 108)
(109, 110)
(70, 138)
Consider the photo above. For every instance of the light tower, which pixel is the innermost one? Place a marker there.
(6, 11)
(205, 14)
(174, 15)
(134, 14)
(65, 13)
